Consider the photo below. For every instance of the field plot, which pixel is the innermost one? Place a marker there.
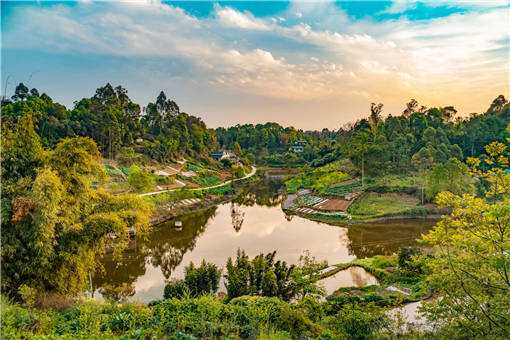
(334, 204)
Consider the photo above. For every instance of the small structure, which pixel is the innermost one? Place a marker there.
(298, 146)
(188, 173)
(222, 154)
(161, 173)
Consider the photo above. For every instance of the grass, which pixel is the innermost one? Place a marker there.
(206, 180)
(373, 205)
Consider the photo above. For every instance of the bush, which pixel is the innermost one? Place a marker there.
(198, 281)
(356, 323)
(175, 289)
(202, 280)
(264, 276)
(139, 179)
(28, 295)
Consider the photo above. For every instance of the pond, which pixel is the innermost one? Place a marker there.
(256, 223)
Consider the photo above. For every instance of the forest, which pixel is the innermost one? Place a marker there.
(59, 214)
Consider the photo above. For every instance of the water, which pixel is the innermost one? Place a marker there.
(351, 277)
(257, 224)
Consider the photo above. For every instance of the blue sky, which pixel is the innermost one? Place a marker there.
(308, 64)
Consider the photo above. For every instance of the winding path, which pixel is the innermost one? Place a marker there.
(252, 172)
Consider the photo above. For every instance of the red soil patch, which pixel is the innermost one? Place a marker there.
(334, 204)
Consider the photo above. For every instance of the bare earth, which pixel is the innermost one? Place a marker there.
(334, 204)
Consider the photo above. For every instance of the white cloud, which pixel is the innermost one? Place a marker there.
(230, 17)
(286, 57)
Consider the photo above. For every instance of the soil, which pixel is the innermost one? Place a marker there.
(334, 204)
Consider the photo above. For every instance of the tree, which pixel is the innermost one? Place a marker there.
(22, 152)
(21, 93)
(497, 104)
(375, 112)
(237, 149)
(55, 225)
(359, 148)
(139, 179)
(452, 176)
(204, 279)
(423, 161)
(411, 108)
(470, 267)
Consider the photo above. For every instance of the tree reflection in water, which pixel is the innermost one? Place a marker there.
(253, 220)
(267, 192)
(385, 238)
(163, 247)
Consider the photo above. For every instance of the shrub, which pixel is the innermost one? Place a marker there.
(262, 276)
(28, 295)
(405, 257)
(175, 289)
(139, 179)
(356, 323)
(202, 280)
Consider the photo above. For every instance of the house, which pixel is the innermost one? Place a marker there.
(223, 154)
(298, 146)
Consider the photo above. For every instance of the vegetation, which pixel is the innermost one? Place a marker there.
(203, 317)
(58, 218)
(198, 281)
(55, 216)
(140, 180)
(319, 179)
(471, 265)
(372, 205)
(264, 276)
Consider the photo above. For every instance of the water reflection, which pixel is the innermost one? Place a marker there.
(267, 192)
(372, 239)
(351, 277)
(253, 222)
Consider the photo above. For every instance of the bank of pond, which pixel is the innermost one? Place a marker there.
(358, 273)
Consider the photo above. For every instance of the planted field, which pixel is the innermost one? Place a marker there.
(334, 204)
(344, 188)
(309, 200)
(207, 180)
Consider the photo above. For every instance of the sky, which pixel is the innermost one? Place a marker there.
(308, 64)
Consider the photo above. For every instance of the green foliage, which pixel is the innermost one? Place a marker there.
(452, 176)
(56, 219)
(176, 289)
(407, 259)
(207, 180)
(470, 265)
(353, 322)
(140, 180)
(22, 152)
(320, 179)
(373, 205)
(260, 276)
(201, 280)
(203, 317)
(28, 295)
(197, 281)
(393, 183)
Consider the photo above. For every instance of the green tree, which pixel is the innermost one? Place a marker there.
(139, 179)
(452, 176)
(57, 219)
(470, 267)
(204, 279)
